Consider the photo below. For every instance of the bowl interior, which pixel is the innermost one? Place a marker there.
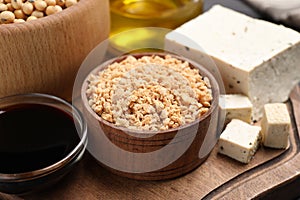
(138, 133)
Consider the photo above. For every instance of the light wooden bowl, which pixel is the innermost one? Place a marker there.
(44, 55)
(195, 140)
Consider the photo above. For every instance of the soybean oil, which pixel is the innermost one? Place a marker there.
(130, 14)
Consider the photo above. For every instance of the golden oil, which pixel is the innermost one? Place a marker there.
(131, 14)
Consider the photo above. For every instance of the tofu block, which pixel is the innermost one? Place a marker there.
(275, 126)
(239, 140)
(254, 57)
(236, 106)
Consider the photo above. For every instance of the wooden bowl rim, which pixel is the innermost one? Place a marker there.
(204, 72)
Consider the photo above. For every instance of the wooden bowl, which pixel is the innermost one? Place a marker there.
(182, 149)
(44, 55)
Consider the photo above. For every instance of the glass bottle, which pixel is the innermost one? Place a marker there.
(131, 14)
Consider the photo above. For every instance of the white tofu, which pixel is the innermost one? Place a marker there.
(236, 106)
(239, 140)
(275, 126)
(256, 58)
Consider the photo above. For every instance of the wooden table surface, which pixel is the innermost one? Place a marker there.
(272, 174)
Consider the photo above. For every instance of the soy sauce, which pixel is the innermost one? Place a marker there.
(34, 136)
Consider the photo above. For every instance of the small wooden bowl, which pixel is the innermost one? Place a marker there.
(118, 149)
(44, 55)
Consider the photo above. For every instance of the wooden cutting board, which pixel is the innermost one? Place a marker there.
(272, 174)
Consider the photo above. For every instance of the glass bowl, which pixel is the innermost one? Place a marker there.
(38, 150)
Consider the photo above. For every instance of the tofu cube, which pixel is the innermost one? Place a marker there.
(275, 126)
(239, 140)
(236, 106)
(254, 57)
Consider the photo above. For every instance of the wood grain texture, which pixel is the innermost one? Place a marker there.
(179, 147)
(272, 174)
(44, 55)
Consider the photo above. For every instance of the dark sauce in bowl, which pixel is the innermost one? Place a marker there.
(34, 136)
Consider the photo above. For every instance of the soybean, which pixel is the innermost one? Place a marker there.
(27, 8)
(19, 20)
(9, 7)
(19, 14)
(53, 9)
(7, 17)
(40, 5)
(16, 4)
(31, 18)
(51, 2)
(17, 11)
(37, 14)
(70, 3)
(3, 7)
